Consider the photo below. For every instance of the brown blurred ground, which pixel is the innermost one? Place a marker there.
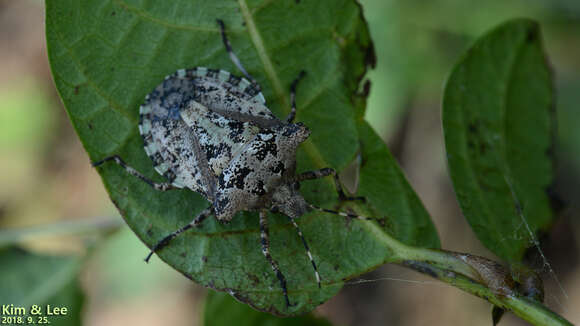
(46, 176)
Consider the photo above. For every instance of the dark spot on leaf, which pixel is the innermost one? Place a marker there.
(113, 13)
(90, 125)
(76, 90)
(382, 221)
(532, 34)
(183, 254)
(557, 203)
(550, 151)
(482, 148)
(472, 127)
(255, 280)
(204, 259)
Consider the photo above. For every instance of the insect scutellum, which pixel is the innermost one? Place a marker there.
(211, 132)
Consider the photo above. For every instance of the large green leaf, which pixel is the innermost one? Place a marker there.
(28, 279)
(107, 55)
(498, 122)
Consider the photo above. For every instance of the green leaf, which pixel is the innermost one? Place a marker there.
(238, 314)
(107, 55)
(28, 279)
(498, 122)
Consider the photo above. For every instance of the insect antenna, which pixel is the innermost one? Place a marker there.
(293, 86)
(233, 56)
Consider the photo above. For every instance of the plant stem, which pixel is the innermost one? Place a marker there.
(476, 275)
(15, 235)
(527, 309)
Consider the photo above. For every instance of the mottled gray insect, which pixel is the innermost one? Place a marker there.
(211, 132)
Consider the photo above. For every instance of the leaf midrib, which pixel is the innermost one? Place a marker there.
(272, 75)
(508, 174)
(308, 146)
(500, 156)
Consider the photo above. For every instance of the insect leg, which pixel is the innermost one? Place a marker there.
(358, 217)
(307, 250)
(265, 240)
(293, 86)
(233, 56)
(165, 241)
(317, 174)
(158, 186)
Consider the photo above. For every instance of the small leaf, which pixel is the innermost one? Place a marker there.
(107, 55)
(498, 119)
(28, 279)
(223, 310)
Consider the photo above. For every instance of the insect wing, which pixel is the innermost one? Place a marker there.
(220, 138)
(169, 142)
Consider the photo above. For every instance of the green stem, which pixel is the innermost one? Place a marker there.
(470, 276)
(402, 253)
(527, 309)
(15, 235)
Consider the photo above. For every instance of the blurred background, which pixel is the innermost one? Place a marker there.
(46, 178)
